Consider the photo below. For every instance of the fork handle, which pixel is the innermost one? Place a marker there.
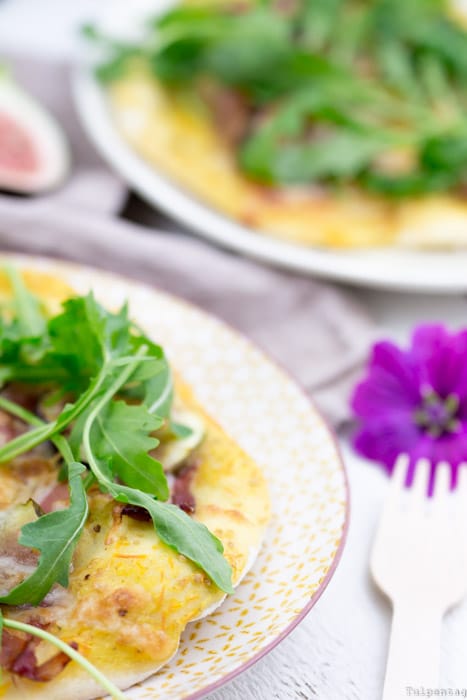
(414, 649)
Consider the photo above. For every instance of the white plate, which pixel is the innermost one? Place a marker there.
(269, 416)
(392, 269)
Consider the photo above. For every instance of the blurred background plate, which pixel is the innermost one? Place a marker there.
(442, 272)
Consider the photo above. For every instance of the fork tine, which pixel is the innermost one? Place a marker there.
(461, 493)
(462, 479)
(421, 479)
(399, 474)
(442, 480)
(397, 483)
(393, 499)
(396, 486)
(442, 495)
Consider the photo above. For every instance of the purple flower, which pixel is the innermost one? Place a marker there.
(415, 401)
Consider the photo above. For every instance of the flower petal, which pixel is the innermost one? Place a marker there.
(397, 365)
(384, 441)
(451, 448)
(391, 384)
(385, 401)
(441, 357)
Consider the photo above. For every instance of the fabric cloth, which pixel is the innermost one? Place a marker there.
(316, 331)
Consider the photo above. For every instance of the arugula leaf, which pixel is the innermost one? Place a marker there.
(8, 623)
(67, 332)
(111, 329)
(125, 52)
(27, 441)
(340, 154)
(173, 526)
(151, 382)
(118, 366)
(56, 535)
(159, 393)
(180, 532)
(316, 21)
(121, 436)
(179, 430)
(212, 40)
(60, 353)
(29, 318)
(84, 371)
(107, 336)
(21, 335)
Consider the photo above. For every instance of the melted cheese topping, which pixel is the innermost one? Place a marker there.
(174, 132)
(130, 596)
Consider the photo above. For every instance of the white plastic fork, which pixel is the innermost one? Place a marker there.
(419, 560)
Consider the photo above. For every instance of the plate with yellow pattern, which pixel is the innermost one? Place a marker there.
(273, 421)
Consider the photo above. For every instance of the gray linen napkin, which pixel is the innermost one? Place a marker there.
(314, 330)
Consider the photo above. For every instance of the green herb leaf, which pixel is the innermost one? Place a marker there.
(56, 536)
(180, 532)
(118, 366)
(151, 382)
(111, 689)
(29, 318)
(173, 526)
(81, 368)
(22, 338)
(180, 431)
(27, 441)
(341, 154)
(120, 436)
(58, 353)
(384, 74)
(107, 336)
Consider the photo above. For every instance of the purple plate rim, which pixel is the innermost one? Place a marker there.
(203, 692)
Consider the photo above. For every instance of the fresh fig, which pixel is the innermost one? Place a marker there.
(34, 154)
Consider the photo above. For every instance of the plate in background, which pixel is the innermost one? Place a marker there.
(443, 272)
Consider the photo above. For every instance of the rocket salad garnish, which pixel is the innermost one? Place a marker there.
(328, 91)
(118, 389)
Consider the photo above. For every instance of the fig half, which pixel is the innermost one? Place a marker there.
(34, 154)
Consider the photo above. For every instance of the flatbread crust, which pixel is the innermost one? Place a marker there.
(130, 596)
(174, 132)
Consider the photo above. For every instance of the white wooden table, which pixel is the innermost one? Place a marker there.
(338, 652)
